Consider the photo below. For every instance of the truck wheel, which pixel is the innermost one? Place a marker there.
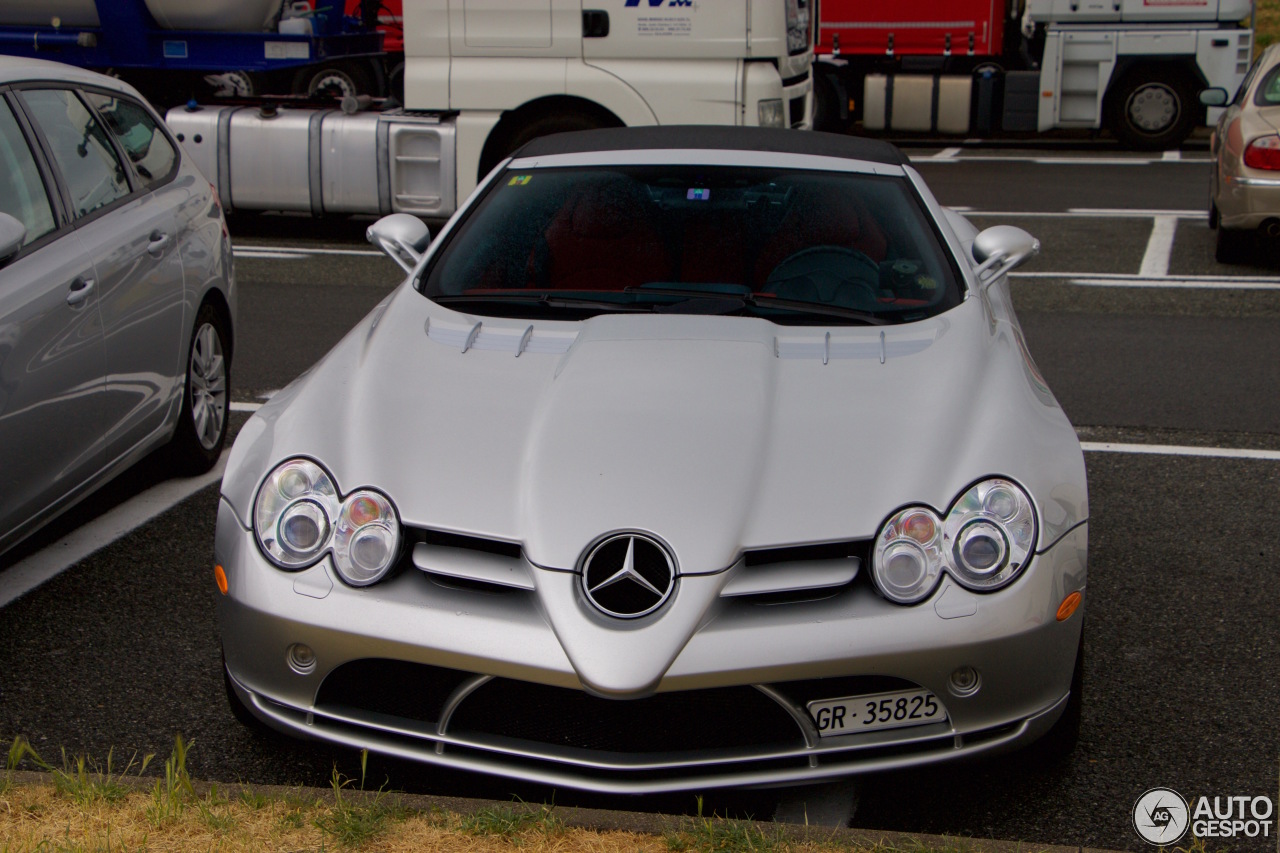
(1153, 109)
(826, 106)
(502, 144)
(337, 80)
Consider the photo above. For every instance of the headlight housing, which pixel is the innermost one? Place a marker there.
(984, 542)
(299, 516)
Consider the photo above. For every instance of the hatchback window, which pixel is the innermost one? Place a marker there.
(22, 192)
(796, 247)
(94, 175)
(133, 127)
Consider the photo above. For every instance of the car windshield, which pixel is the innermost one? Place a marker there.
(796, 247)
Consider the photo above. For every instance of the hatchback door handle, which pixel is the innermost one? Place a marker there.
(159, 240)
(80, 290)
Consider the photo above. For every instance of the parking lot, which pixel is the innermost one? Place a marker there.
(1167, 363)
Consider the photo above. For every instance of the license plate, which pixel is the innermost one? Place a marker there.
(876, 711)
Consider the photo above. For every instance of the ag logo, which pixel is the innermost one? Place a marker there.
(1160, 816)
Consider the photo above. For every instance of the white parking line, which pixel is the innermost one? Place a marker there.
(945, 154)
(245, 407)
(1155, 261)
(1180, 450)
(1209, 282)
(30, 572)
(1171, 155)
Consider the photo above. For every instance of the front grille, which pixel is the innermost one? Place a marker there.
(804, 692)
(713, 719)
(408, 690)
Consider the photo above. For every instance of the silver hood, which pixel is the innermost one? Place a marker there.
(717, 434)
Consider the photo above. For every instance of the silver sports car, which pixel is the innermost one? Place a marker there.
(683, 457)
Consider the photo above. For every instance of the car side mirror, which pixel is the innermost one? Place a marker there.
(12, 233)
(1215, 97)
(403, 237)
(1002, 248)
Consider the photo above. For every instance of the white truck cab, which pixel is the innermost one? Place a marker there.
(482, 77)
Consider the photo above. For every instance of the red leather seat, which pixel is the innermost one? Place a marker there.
(603, 238)
(822, 218)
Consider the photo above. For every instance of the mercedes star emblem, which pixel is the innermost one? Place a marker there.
(628, 575)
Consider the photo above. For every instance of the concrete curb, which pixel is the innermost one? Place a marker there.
(601, 819)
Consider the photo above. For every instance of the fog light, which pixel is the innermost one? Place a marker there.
(301, 658)
(965, 681)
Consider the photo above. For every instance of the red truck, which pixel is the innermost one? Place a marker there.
(1134, 67)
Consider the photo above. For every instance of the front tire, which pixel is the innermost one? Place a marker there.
(202, 424)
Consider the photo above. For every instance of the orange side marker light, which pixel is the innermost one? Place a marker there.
(1068, 606)
(221, 577)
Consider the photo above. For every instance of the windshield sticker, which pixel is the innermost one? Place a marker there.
(519, 180)
(696, 194)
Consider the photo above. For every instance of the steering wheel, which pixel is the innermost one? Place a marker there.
(829, 275)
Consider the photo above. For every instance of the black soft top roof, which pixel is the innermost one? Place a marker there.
(714, 137)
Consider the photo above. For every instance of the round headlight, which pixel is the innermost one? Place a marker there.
(908, 556)
(299, 517)
(989, 534)
(981, 549)
(303, 529)
(292, 513)
(367, 538)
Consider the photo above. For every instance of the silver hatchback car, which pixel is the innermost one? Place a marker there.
(117, 297)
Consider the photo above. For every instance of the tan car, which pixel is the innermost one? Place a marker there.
(1244, 197)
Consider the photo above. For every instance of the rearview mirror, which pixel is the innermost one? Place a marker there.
(12, 233)
(403, 237)
(1002, 248)
(1215, 97)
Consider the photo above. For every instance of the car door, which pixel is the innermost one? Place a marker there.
(130, 233)
(51, 343)
(143, 312)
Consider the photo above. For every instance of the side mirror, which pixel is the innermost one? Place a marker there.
(1215, 97)
(403, 237)
(12, 233)
(1002, 248)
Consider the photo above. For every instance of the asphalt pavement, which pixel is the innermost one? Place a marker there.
(1141, 335)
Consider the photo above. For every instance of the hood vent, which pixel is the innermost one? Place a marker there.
(516, 340)
(826, 348)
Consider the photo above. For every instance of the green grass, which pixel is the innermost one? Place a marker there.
(353, 822)
(511, 822)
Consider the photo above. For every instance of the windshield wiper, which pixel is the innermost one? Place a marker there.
(544, 298)
(793, 305)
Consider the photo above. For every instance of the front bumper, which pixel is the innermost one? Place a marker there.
(479, 681)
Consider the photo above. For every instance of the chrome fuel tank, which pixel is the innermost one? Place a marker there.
(323, 161)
